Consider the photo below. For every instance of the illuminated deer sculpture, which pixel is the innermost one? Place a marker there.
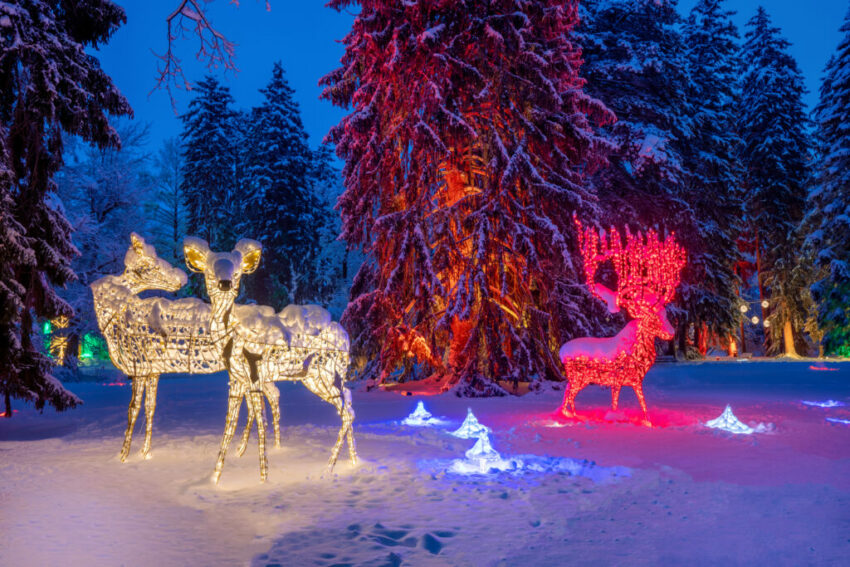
(647, 271)
(153, 336)
(299, 343)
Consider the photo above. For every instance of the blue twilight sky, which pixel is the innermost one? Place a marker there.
(304, 35)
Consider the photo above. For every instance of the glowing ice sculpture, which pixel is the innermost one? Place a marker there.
(471, 428)
(420, 417)
(261, 347)
(153, 336)
(481, 459)
(728, 422)
(647, 271)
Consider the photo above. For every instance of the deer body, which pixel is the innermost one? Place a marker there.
(647, 275)
(299, 343)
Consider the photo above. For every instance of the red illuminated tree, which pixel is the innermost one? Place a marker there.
(467, 131)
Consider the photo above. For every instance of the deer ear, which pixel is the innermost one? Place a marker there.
(196, 251)
(251, 251)
(137, 242)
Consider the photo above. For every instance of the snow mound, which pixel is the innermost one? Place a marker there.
(471, 428)
(420, 417)
(728, 422)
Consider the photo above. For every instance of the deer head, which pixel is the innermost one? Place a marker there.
(144, 270)
(647, 271)
(222, 270)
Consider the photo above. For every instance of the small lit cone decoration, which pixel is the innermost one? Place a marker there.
(153, 336)
(261, 347)
(647, 271)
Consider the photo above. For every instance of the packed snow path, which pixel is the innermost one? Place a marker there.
(691, 495)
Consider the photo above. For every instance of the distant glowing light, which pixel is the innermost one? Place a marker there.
(839, 420)
(766, 323)
(765, 304)
(824, 404)
(420, 417)
(755, 320)
(728, 422)
(471, 428)
(744, 308)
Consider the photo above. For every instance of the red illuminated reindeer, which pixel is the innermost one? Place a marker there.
(647, 271)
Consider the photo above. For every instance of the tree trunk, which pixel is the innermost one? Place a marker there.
(788, 335)
(8, 405)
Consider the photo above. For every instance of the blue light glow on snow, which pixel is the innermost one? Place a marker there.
(470, 428)
(839, 420)
(825, 404)
(422, 417)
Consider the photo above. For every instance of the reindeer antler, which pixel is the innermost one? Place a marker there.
(645, 264)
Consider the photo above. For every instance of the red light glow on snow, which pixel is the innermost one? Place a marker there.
(813, 367)
(647, 271)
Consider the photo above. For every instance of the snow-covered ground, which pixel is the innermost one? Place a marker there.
(675, 494)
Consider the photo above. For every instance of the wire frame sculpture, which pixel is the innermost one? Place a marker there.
(153, 336)
(300, 343)
(647, 271)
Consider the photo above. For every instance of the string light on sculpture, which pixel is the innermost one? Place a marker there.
(744, 308)
(765, 304)
(647, 271)
(754, 320)
(420, 417)
(728, 422)
(471, 428)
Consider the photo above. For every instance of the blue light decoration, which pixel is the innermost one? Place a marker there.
(824, 404)
(483, 459)
(471, 428)
(839, 420)
(421, 417)
(728, 422)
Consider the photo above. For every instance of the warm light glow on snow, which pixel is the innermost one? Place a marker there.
(647, 271)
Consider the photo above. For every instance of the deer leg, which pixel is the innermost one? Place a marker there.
(234, 401)
(256, 400)
(150, 407)
(615, 396)
(132, 413)
(248, 426)
(639, 391)
(273, 396)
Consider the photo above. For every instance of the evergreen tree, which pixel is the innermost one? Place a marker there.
(332, 262)
(210, 158)
(830, 200)
(280, 207)
(49, 83)
(103, 192)
(462, 150)
(634, 62)
(169, 205)
(775, 153)
(708, 296)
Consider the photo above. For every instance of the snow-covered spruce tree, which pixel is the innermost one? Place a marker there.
(103, 192)
(708, 296)
(49, 83)
(280, 207)
(634, 62)
(169, 205)
(775, 154)
(209, 172)
(462, 150)
(829, 200)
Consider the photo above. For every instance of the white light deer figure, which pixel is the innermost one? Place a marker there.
(647, 271)
(153, 336)
(300, 343)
